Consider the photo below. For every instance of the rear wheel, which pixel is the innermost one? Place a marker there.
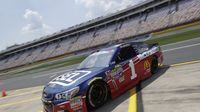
(97, 95)
(154, 66)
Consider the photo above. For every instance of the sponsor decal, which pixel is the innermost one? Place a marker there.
(69, 78)
(121, 79)
(147, 65)
(76, 103)
(115, 73)
(148, 53)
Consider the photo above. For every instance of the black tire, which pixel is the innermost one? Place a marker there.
(97, 95)
(154, 66)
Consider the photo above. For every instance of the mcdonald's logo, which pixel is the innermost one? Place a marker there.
(146, 65)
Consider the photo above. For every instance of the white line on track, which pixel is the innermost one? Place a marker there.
(192, 45)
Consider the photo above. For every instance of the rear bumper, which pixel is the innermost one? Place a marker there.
(77, 104)
(160, 59)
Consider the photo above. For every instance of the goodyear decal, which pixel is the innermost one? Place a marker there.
(96, 78)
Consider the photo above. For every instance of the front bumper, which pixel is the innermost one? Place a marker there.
(76, 104)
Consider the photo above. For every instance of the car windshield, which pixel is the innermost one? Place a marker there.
(98, 59)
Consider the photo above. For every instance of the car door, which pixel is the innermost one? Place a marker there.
(124, 71)
(142, 60)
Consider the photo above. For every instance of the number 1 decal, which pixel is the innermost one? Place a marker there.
(132, 66)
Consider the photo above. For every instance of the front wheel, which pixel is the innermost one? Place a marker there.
(97, 95)
(154, 66)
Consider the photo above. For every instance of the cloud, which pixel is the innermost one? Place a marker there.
(89, 15)
(101, 7)
(35, 24)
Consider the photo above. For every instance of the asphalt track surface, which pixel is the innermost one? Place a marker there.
(173, 53)
(174, 88)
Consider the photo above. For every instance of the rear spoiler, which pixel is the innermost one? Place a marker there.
(155, 44)
(142, 38)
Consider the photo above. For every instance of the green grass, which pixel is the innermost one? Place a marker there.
(176, 38)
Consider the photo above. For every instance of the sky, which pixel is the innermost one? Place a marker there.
(26, 20)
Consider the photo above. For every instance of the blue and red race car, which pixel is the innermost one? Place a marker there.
(102, 75)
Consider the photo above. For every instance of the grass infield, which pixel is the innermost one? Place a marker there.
(176, 38)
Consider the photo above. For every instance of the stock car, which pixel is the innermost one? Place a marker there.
(102, 75)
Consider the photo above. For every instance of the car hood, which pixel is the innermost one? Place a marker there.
(71, 79)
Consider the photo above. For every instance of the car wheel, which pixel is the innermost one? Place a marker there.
(154, 66)
(97, 95)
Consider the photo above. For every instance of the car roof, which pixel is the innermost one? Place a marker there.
(119, 45)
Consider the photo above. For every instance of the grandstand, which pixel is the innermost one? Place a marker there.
(141, 19)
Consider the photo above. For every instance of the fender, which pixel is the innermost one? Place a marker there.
(94, 79)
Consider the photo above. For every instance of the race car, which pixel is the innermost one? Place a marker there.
(102, 75)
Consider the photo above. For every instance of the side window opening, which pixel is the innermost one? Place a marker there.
(141, 48)
(125, 54)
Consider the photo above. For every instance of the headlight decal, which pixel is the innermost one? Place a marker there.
(67, 95)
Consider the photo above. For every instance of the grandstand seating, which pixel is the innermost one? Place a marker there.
(104, 35)
(128, 28)
(35, 53)
(187, 11)
(154, 18)
(64, 46)
(82, 42)
(47, 51)
(2, 63)
(28, 58)
(11, 61)
(20, 59)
